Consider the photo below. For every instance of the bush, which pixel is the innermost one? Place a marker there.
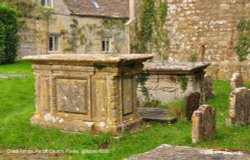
(8, 36)
(2, 46)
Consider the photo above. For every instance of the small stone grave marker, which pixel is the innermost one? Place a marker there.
(191, 103)
(10, 76)
(203, 123)
(239, 110)
(208, 87)
(237, 80)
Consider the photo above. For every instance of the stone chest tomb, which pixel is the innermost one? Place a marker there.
(87, 92)
(169, 81)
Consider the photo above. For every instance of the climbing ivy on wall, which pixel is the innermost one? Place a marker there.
(110, 23)
(242, 47)
(147, 19)
(150, 31)
(142, 79)
(160, 35)
(183, 80)
(75, 36)
(113, 28)
(85, 34)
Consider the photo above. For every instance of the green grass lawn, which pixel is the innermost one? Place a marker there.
(17, 106)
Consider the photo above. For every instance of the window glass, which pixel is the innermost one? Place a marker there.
(56, 43)
(43, 2)
(53, 43)
(49, 4)
(105, 45)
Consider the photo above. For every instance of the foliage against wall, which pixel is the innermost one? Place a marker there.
(142, 79)
(242, 47)
(25, 9)
(160, 38)
(144, 28)
(183, 80)
(113, 28)
(86, 34)
(150, 32)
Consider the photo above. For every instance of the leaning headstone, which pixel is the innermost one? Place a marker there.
(191, 103)
(208, 87)
(203, 123)
(239, 110)
(237, 80)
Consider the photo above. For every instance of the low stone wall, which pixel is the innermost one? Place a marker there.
(225, 70)
(167, 82)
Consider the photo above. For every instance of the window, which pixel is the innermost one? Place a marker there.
(47, 3)
(53, 43)
(105, 45)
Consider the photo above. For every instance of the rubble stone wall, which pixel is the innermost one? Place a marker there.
(207, 29)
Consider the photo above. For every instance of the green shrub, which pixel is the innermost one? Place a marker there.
(2, 45)
(9, 29)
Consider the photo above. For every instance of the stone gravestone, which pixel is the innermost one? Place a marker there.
(239, 110)
(208, 87)
(191, 103)
(203, 123)
(237, 80)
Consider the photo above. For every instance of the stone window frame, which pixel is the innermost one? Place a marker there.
(54, 46)
(47, 3)
(106, 45)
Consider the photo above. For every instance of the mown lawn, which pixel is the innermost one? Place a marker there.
(17, 106)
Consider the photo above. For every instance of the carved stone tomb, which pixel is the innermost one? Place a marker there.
(88, 92)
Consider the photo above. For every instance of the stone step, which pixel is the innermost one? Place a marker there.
(156, 114)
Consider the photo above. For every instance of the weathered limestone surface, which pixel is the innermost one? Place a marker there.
(208, 87)
(88, 92)
(169, 152)
(236, 80)
(203, 123)
(166, 81)
(191, 103)
(239, 111)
